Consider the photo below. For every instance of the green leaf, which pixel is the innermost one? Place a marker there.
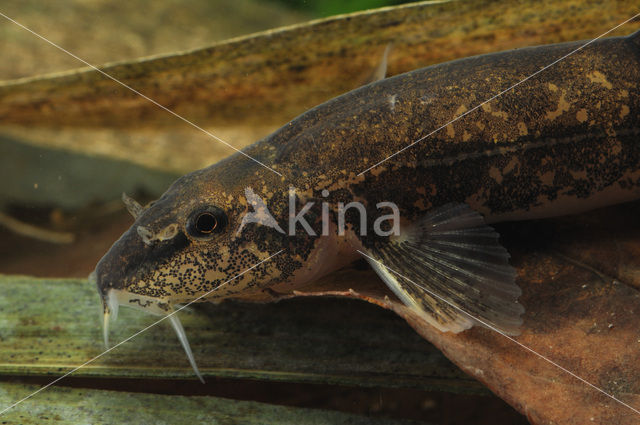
(59, 405)
(48, 327)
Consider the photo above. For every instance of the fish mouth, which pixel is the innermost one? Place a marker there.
(112, 299)
(117, 267)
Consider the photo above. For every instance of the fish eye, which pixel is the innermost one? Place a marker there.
(206, 222)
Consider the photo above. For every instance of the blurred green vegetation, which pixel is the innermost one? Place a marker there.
(323, 8)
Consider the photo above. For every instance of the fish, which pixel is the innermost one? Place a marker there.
(365, 175)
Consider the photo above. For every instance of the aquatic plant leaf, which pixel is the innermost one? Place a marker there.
(108, 32)
(261, 81)
(287, 341)
(72, 405)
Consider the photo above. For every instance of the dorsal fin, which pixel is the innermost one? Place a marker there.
(635, 37)
(380, 73)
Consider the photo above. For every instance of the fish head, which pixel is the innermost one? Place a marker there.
(185, 247)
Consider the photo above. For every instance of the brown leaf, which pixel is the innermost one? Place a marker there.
(261, 81)
(270, 77)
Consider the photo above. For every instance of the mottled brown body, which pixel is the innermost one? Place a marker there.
(562, 142)
(550, 145)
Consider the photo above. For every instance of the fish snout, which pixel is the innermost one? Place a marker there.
(122, 264)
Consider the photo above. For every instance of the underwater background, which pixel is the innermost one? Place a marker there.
(62, 173)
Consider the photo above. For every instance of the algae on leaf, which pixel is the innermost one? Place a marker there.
(67, 405)
(350, 343)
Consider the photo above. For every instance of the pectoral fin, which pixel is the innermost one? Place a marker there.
(450, 267)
